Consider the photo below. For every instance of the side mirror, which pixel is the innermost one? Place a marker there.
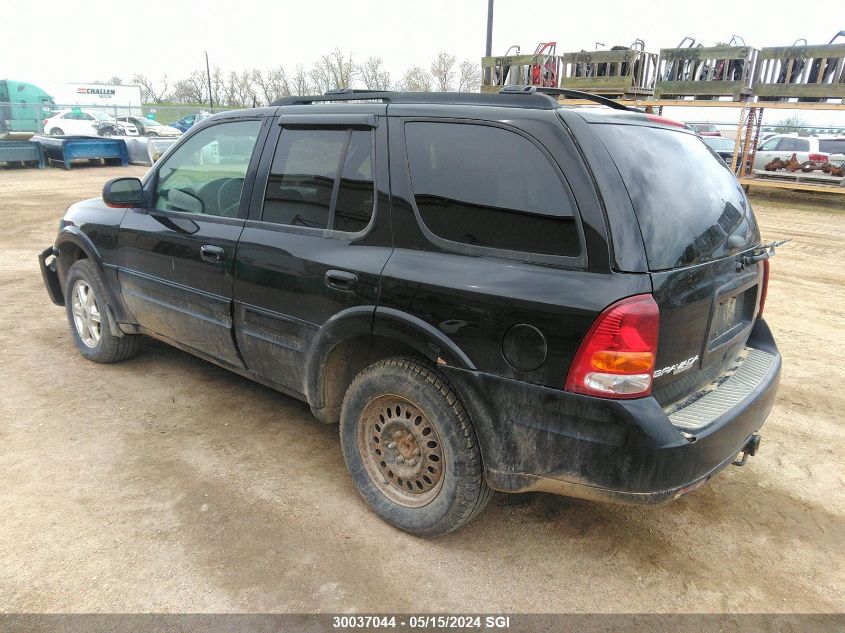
(123, 193)
(185, 201)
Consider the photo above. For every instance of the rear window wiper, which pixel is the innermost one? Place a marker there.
(758, 254)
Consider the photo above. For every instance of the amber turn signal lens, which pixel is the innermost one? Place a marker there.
(623, 362)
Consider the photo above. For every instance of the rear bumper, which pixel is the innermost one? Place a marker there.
(626, 451)
(50, 276)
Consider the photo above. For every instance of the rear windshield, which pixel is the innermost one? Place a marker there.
(832, 146)
(690, 207)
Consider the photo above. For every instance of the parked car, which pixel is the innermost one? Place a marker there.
(705, 129)
(185, 123)
(84, 122)
(149, 127)
(724, 147)
(505, 294)
(821, 149)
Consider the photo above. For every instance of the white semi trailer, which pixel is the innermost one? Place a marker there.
(114, 99)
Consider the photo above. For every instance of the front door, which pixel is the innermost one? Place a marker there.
(177, 256)
(317, 238)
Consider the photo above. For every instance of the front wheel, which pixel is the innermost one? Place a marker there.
(86, 314)
(411, 448)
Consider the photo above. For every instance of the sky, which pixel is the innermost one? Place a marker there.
(86, 40)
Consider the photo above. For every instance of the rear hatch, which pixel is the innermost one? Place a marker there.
(696, 223)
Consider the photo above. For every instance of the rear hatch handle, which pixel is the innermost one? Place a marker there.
(758, 254)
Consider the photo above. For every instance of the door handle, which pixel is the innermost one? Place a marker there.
(341, 280)
(212, 254)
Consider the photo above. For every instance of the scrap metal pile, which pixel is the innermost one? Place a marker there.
(793, 165)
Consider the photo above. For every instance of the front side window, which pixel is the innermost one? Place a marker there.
(304, 189)
(486, 186)
(769, 145)
(206, 174)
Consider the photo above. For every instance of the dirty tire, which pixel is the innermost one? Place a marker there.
(108, 348)
(460, 493)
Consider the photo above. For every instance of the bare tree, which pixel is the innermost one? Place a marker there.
(333, 71)
(790, 124)
(443, 71)
(469, 76)
(190, 90)
(218, 84)
(238, 90)
(273, 84)
(416, 79)
(151, 91)
(373, 75)
(300, 84)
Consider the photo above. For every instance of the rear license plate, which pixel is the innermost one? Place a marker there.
(728, 315)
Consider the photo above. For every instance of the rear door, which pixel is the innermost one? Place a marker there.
(177, 256)
(696, 223)
(317, 238)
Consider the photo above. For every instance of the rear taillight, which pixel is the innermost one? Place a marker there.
(818, 158)
(764, 289)
(616, 358)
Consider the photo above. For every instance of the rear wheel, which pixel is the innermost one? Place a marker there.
(86, 314)
(411, 448)
(57, 131)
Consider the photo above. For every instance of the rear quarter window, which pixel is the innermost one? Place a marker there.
(485, 186)
(689, 205)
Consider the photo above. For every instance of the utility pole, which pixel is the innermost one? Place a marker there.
(488, 51)
(208, 76)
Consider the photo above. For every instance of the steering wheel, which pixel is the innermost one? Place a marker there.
(229, 197)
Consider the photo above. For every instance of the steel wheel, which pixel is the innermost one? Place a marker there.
(86, 314)
(401, 451)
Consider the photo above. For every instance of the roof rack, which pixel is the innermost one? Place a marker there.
(536, 100)
(563, 92)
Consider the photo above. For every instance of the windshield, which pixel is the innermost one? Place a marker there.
(687, 202)
(101, 116)
(832, 146)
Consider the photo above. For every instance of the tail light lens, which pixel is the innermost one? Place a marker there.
(818, 158)
(616, 358)
(764, 290)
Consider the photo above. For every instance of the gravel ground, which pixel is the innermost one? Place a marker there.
(168, 484)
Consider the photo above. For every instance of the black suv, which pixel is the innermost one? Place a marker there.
(487, 292)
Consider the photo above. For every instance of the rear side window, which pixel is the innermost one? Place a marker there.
(832, 146)
(794, 145)
(304, 189)
(689, 205)
(489, 187)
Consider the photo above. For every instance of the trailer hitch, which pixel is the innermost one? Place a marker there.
(749, 450)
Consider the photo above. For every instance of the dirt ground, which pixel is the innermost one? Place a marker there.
(167, 484)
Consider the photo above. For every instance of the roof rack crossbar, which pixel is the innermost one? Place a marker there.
(564, 92)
